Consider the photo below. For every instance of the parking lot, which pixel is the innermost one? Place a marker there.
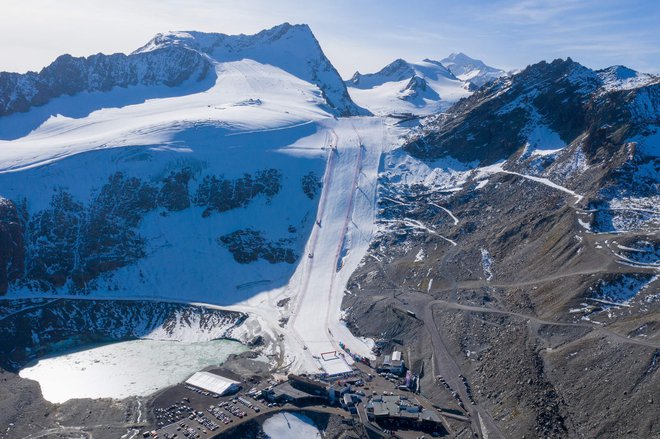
(185, 411)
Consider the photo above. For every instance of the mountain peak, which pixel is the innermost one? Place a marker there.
(573, 75)
(208, 41)
(396, 68)
(623, 78)
(459, 60)
(474, 71)
(290, 47)
(558, 68)
(622, 72)
(460, 57)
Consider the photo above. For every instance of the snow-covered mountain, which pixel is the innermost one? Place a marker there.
(168, 66)
(623, 78)
(123, 173)
(174, 58)
(421, 88)
(217, 189)
(471, 70)
(291, 48)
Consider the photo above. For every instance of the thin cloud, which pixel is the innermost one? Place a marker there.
(363, 35)
(540, 11)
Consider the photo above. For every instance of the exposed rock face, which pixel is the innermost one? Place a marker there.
(311, 185)
(219, 194)
(68, 75)
(397, 70)
(489, 125)
(599, 118)
(521, 334)
(73, 243)
(249, 245)
(12, 250)
(174, 195)
(415, 88)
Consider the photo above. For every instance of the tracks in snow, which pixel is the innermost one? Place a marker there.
(344, 227)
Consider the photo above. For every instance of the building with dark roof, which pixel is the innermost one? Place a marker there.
(286, 393)
(312, 387)
(398, 412)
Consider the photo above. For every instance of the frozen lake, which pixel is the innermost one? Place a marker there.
(120, 370)
(287, 425)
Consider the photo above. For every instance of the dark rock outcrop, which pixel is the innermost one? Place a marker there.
(174, 195)
(73, 243)
(220, 194)
(12, 250)
(249, 246)
(311, 185)
(490, 125)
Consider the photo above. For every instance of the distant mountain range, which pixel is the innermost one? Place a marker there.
(421, 88)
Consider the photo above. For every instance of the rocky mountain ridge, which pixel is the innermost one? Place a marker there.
(552, 116)
(173, 58)
(521, 229)
(69, 75)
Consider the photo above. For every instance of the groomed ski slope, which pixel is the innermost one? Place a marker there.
(345, 225)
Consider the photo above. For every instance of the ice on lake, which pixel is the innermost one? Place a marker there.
(287, 425)
(120, 370)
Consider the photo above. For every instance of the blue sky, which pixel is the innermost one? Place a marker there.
(355, 34)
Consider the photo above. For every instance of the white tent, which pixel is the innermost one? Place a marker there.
(213, 383)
